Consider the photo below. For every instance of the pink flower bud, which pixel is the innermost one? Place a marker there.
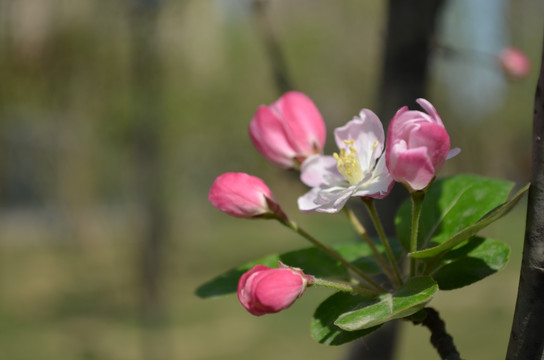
(263, 290)
(514, 63)
(288, 131)
(417, 146)
(241, 195)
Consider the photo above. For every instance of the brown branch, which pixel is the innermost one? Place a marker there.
(526, 337)
(440, 339)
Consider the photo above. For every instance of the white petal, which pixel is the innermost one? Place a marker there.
(334, 201)
(330, 200)
(453, 153)
(381, 183)
(320, 170)
(367, 132)
(306, 203)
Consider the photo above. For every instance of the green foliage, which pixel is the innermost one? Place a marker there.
(472, 229)
(451, 205)
(451, 256)
(323, 326)
(475, 260)
(407, 300)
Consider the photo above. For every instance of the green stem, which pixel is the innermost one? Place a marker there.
(342, 286)
(361, 231)
(293, 226)
(432, 264)
(417, 202)
(371, 207)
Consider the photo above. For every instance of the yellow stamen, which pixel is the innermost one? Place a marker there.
(374, 147)
(348, 163)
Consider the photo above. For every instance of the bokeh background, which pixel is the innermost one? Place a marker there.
(115, 118)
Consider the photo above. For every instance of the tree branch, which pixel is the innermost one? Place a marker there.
(441, 340)
(526, 340)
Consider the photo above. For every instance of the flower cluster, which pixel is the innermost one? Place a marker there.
(291, 134)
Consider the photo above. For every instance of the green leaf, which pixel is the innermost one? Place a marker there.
(451, 205)
(311, 260)
(407, 300)
(471, 230)
(323, 328)
(472, 262)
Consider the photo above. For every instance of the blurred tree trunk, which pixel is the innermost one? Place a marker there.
(410, 30)
(147, 124)
(276, 59)
(527, 335)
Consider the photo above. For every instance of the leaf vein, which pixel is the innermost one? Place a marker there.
(444, 214)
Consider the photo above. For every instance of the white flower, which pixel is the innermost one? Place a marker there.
(358, 170)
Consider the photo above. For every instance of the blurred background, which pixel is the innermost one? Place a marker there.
(116, 117)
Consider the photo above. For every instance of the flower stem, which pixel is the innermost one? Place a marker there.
(371, 207)
(293, 226)
(361, 231)
(342, 286)
(417, 202)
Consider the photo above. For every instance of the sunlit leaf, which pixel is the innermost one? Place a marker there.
(471, 230)
(407, 300)
(471, 262)
(451, 205)
(323, 328)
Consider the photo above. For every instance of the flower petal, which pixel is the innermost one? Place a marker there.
(453, 153)
(246, 286)
(319, 169)
(268, 135)
(279, 289)
(303, 122)
(412, 166)
(366, 131)
(240, 195)
(417, 145)
(430, 109)
(329, 200)
(434, 139)
(381, 184)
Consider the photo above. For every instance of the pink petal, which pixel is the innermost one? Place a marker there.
(417, 145)
(411, 166)
(304, 124)
(240, 195)
(393, 132)
(263, 290)
(514, 63)
(245, 287)
(435, 139)
(278, 289)
(268, 135)
(430, 109)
